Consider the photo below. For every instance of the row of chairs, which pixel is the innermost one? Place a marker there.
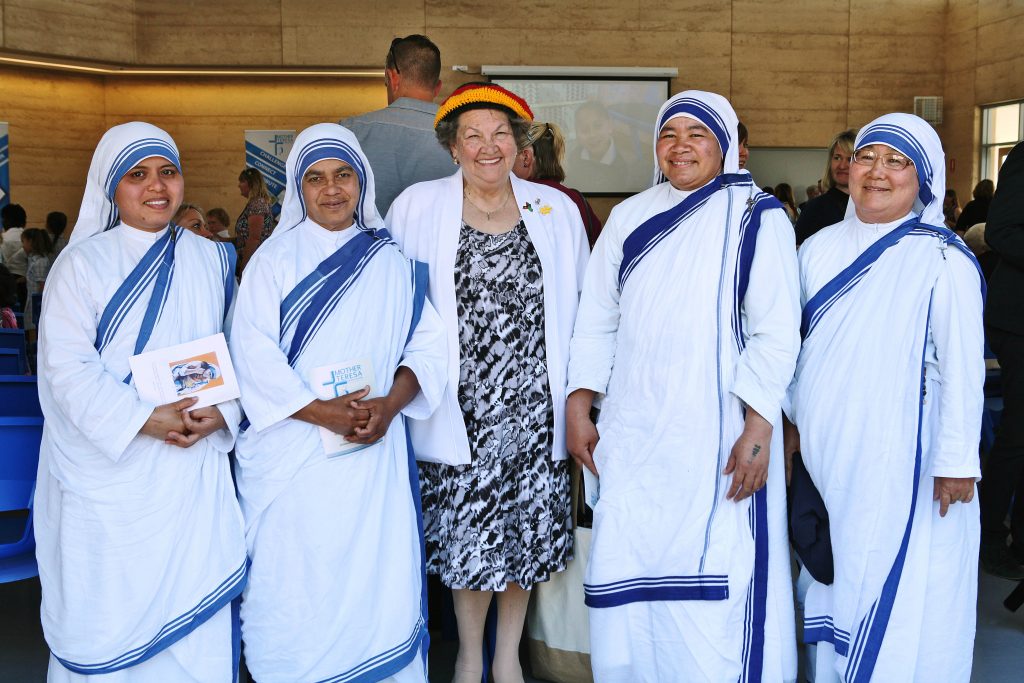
(13, 352)
(21, 430)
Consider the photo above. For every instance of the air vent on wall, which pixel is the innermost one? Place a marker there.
(929, 109)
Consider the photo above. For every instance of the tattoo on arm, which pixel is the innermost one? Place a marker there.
(754, 452)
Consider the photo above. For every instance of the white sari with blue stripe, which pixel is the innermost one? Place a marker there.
(139, 543)
(129, 581)
(684, 584)
(336, 590)
(888, 395)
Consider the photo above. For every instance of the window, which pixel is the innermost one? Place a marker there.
(1002, 127)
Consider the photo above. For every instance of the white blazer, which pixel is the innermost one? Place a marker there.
(425, 220)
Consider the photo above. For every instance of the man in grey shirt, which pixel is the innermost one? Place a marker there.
(399, 140)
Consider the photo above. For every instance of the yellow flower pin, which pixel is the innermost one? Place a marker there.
(545, 210)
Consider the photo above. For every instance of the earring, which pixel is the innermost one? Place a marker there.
(455, 160)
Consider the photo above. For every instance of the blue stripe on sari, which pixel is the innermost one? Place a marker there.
(757, 591)
(862, 664)
(651, 232)
(157, 263)
(130, 291)
(420, 276)
(228, 256)
(173, 631)
(847, 279)
(750, 225)
(315, 298)
(159, 296)
(657, 588)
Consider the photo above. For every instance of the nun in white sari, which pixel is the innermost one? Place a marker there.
(139, 542)
(888, 400)
(687, 331)
(337, 579)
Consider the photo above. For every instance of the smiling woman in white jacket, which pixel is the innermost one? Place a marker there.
(506, 260)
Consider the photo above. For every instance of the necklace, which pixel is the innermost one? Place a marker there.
(492, 211)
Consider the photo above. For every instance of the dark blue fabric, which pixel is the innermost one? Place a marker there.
(809, 530)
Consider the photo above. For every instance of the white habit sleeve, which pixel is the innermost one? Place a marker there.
(959, 338)
(592, 349)
(102, 407)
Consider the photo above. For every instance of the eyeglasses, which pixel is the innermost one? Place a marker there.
(391, 60)
(890, 160)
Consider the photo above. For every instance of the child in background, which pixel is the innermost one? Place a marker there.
(217, 222)
(39, 250)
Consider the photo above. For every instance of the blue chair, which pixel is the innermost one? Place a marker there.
(10, 362)
(18, 462)
(19, 396)
(15, 339)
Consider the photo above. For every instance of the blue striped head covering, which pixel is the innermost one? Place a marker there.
(120, 149)
(914, 138)
(715, 112)
(327, 141)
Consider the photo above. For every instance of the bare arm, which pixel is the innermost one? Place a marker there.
(581, 435)
(748, 462)
(340, 415)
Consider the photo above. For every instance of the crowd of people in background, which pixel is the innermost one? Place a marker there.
(506, 333)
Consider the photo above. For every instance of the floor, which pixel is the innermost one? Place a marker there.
(998, 650)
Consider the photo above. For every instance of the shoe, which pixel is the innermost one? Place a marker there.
(998, 561)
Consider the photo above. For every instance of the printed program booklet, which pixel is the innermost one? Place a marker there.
(339, 379)
(200, 368)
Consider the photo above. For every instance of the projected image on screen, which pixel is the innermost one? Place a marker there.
(608, 126)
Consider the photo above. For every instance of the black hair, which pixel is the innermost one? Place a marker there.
(56, 222)
(416, 57)
(13, 216)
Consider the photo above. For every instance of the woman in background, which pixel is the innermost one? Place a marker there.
(257, 219)
(830, 207)
(190, 217)
(784, 193)
(541, 161)
(976, 210)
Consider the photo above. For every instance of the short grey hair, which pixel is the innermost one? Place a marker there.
(447, 130)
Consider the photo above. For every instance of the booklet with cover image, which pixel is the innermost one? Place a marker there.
(200, 368)
(339, 379)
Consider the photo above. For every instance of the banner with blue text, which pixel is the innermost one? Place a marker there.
(266, 151)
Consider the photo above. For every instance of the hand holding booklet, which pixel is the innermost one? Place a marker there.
(339, 379)
(200, 368)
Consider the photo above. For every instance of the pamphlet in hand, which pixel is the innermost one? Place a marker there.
(200, 368)
(339, 379)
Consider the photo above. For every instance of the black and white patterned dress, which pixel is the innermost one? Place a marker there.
(505, 516)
